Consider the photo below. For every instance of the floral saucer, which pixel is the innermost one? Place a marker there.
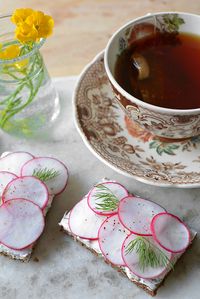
(122, 144)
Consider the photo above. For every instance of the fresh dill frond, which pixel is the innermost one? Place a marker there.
(108, 200)
(45, 174)
(149, 254)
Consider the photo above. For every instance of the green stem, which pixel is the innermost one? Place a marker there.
(23, 80)
(33, 93)
(13, 95)
(11, 75)
(14, 99)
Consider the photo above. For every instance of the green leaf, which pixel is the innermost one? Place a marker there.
(173, 22)
(153, 144)
(160, 150)
(149, 254)
(174, 146)
(109, 202)
(169, 151)
(45, 174)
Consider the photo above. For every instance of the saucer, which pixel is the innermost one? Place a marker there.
(122, 144)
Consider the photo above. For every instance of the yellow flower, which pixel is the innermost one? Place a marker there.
(42, 23)
(26, 33)
(10, 52)
(32, 25)
(20, 15)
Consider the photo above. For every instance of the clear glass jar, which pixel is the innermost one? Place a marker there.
(29, 102)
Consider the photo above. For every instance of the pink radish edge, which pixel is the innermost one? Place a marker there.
(35, 158)
(101, 247)
(102, 213)
(91, 239)
(155, 276)
(154, 234)
(130, 195)
(16, 152)
(47, 193)
(37, 237)
(5, 171)
(77, 235)
(9, 172)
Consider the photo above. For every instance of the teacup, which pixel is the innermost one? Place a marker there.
(162, 122)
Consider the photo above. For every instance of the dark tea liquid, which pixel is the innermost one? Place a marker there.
(174, 70)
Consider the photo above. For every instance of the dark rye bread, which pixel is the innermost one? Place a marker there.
(21, 259)
(151, 291)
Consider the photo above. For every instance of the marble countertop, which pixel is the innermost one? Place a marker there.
(83, 27)
(64, 269)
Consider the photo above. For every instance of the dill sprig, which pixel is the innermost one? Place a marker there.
(149, 254)
(45, 174)
(109, 202)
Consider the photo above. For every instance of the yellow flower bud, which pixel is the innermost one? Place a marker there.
(21, 64)
(10, 52)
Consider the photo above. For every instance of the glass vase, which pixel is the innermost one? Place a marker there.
(29, 102)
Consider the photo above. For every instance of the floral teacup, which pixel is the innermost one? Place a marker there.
(163, 122)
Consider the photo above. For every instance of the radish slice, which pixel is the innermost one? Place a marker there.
(83, 222)
(111, 237)
(27, 187)
(21, 223)
(131, 259)
(136, 213)
(5, 178)
(170, 232)
(13, 162)
(111, 188)
(55, 185)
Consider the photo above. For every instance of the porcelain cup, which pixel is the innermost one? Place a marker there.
(162, 122)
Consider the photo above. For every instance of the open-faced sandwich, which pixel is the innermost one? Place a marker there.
(136, 236)
(28, 185)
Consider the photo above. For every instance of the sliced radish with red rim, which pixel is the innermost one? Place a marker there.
(27, 187)
(5, 178)
(38, 166)
(83, 222)
(104, 198)
(21, 223)
(111, 237)
(14, 161)
(131, 259)
(170, 232)
(136, 213)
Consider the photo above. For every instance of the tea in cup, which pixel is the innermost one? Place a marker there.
(153, 66)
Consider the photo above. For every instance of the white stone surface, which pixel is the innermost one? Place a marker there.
(65, 270)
